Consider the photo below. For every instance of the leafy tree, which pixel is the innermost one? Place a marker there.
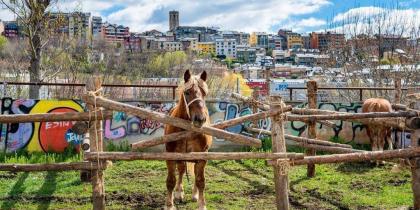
(3, 42)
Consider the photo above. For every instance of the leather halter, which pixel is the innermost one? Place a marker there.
(188, 104)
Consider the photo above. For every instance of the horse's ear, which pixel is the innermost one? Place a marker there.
(203, 76)
(187, 76)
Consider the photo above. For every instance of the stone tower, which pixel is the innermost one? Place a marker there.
(173, 20)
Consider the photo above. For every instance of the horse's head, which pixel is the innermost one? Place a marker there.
(195, 89)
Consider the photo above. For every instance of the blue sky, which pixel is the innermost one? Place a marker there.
(240, 15)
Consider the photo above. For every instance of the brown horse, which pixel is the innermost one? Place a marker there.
(191, 106)
(377, 134)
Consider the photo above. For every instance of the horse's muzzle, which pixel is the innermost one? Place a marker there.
(198, 121)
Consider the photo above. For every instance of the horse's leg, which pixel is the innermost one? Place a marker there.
(200, 183)
(170, 185)
(179, 189)
(389, 139)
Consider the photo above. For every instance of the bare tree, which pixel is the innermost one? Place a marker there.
(33, 17)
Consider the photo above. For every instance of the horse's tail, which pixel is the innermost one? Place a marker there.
(189, 170)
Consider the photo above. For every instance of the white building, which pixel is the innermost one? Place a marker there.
(226, 47)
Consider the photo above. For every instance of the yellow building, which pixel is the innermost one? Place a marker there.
(294, 41)
(253, 39)
(206, 47)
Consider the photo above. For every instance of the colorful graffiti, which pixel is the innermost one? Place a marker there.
(57, 136)
(133, 128)
(44, 136)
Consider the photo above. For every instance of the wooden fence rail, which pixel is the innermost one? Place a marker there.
(93, 156)
(174, 121)
(280, 159)
(73, 166)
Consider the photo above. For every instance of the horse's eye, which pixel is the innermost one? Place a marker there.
(186, 93)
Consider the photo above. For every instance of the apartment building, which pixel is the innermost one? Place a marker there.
(206, 47)
(226, 47)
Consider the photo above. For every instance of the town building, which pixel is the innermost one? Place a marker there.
(280, 56)
(327, 41)
(305, 59)
(390, 43)
(283, 34)
(134, 43)
(113, 33)
(231, 35)
(259, 39)
(201, 33)
(206, 47)
(95, 24)
(246, 54)
(11, 29)
(244, 38)
(306, 42)
(154, 33)
(172, 46)
(226, 48)
(173, 20)
(294, 41)
(149, 43)
(189, 44)
(75, 25)
(274, 42)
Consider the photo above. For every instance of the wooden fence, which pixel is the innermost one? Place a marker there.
(99, 109)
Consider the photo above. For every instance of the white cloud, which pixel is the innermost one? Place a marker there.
(359, 12)
(242, 15)
(368, 20)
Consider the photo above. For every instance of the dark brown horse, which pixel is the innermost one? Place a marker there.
(378, 133)
(191, 106)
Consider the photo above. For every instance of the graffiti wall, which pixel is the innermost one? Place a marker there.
(57, 136)
(38, 136)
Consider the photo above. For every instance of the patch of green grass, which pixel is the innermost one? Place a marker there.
(23, 157)
(244, 184)
(122, 146)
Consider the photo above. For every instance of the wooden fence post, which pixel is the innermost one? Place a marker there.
(415, 162)
(398, 91)
(312, 99)
(255, 109)
(96, 145)
(281, 167)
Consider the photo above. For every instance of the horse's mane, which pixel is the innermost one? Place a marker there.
(179, 109)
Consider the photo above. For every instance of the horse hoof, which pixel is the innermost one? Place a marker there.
(179, 196)
(202, 208)
(195, 198)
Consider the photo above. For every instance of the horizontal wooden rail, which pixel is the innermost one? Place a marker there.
(74, 166)
(174, 121)
(222, 125)
(93, 156)
(396, 122)
(349, 88)
(56, 117)
(349, 116)
(308, 143)
(359, 156)
(82, 84)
